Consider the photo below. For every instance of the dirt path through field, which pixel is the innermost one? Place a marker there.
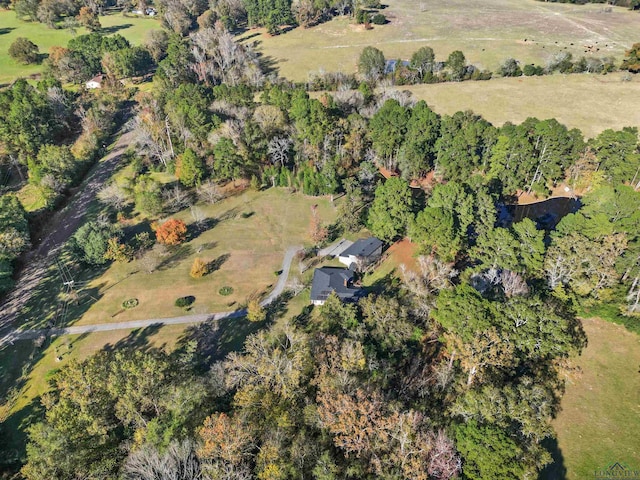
(62, 225)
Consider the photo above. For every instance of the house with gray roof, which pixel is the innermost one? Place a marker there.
(362, 253)
(328, 280)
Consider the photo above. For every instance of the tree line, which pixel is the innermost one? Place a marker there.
(50, 137)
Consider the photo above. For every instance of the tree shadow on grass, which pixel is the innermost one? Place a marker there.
(53, 302)
(176, 255)
(228, 215)
(557, 469)
(278, 307)
(388, 283)
(138, 339)
(196, 229)
(206, 246)
(5, 30)
(13, 436)
(215, 264)
(250, 36)
(268, 63)
(115, 28)
(217, 338)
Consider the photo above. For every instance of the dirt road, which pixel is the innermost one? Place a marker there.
(61, 227)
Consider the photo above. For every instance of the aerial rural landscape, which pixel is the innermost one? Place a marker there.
(319, 239)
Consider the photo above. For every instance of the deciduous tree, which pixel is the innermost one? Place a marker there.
(172, 232)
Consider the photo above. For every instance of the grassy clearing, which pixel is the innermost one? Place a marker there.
(133, 28)
(487, 32)
(600, 418)
(250, 234)
(591, 103)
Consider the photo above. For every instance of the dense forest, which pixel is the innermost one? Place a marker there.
(453, 369)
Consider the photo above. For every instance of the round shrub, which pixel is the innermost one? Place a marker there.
(379, 19)
(224, 291)
(184, 302)
(130, 303)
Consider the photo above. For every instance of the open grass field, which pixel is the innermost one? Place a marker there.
(600, 419)
(246, 242)
(486, 31)
(591, 103)
(133, 28)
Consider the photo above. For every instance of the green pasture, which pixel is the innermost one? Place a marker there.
(599, 423)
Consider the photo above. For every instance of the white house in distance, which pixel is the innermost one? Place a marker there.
(95, 82)
(362, 253)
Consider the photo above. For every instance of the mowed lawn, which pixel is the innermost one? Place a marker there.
(133, 28)
(486, 31)
(600, 419)
(591, 103)
(247, 243)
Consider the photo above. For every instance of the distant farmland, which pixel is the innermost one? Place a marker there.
(487, 31)
(591, 103)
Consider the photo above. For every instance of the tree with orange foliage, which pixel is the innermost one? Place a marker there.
(317, 231)
(172, 232)
(227, 445)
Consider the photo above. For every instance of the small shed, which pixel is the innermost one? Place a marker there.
(95, 82)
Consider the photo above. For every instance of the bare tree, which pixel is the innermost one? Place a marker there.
(49, 180)
(295, 285)
(443, 460)
(433, 275)
(176, 199)
(177, 462)
(151, 138)
(197, 214)
(114, 195)
(218, 58)
(279, 149)
(513, 284)
(443, 374)
(559, 269)
(59, 104)
(209, 192)
(153, 258)
(633, 296)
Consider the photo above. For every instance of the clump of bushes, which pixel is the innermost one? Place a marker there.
(379, 19)
(531, 70)
(226, 290)
(24, 50)
(185, 302)
(130, 303)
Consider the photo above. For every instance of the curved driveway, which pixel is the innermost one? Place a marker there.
(185, 319)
